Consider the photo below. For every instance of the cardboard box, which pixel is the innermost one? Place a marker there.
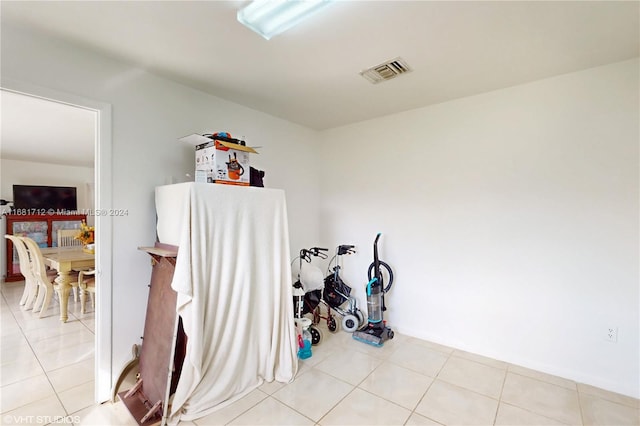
(220, 161)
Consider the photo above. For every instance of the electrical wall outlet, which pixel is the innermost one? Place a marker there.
(611, 334)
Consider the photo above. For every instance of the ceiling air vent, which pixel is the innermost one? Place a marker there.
(386, 70)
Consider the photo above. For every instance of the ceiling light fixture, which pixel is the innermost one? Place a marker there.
(272, 17)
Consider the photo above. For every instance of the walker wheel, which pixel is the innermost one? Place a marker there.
(316, 335)
(332, 325)
(350, 323)
(361, 319)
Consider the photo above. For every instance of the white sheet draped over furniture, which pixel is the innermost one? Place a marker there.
(232, 277)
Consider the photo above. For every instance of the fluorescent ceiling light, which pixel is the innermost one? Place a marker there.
(271, 17)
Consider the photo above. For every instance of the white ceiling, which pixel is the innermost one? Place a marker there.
(43, 131)
(310, 74)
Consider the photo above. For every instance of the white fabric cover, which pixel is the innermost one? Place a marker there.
(232, 277)
(311, 277)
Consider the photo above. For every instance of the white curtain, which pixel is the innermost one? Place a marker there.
(233, 282)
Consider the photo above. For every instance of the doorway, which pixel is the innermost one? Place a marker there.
(100, 192)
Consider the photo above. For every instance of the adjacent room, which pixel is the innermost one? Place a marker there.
(448, 191)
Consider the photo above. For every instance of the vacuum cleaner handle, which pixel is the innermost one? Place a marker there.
(376, 261)
(375, 269)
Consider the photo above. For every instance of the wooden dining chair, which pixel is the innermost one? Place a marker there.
(87, 284)
(30, 283)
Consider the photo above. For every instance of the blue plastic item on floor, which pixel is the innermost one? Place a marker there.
(304, 353)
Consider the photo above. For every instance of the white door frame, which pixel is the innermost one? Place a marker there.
(103, 224)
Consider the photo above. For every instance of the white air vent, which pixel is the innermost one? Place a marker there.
(386, 70)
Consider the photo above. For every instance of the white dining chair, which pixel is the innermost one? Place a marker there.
(67, 238)
(87, 284)
(45, 280)
(30, 283)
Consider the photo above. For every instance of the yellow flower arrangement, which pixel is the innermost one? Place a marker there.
(85, 234)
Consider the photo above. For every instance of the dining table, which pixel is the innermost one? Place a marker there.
(66, 260)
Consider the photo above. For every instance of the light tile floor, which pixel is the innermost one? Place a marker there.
(47, 371)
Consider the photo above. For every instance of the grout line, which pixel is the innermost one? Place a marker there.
(294, 409)
(336, 404)
(504, 380)
(420, 401)
(544, 381)
(427, 390)
(22, 331)
(332, 407)
(371, 372)
(580, 405)
(15, 314)
(389, 401)
(510, 404)
(484, 364)
(37, 360)
(243, 412)
(510, 366)
(636, 405)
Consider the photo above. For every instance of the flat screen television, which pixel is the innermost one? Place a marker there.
(44, 198)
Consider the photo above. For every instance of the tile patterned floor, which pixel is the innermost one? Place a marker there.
(47, 371)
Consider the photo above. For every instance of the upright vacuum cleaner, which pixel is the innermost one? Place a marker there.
(376, 332)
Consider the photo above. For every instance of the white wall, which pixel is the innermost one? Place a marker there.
(510, 218)
(148, 115)
(16, 172)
